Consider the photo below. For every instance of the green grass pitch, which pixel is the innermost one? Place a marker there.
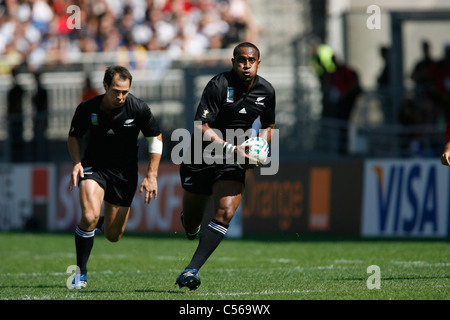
(34, 267)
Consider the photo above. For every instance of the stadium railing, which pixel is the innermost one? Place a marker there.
(303, 132)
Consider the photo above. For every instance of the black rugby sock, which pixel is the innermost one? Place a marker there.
(84, 241)
(209, 241)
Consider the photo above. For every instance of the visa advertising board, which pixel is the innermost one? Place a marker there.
(406, 197)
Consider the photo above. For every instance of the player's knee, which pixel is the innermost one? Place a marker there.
(225, 214)
(88, 222)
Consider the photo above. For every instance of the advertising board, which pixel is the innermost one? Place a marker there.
(406, 197)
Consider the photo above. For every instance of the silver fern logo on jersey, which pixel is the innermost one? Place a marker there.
(129, 123)
(259, 101)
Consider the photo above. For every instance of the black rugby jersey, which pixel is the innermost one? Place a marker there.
(226, 104)
(112, 138)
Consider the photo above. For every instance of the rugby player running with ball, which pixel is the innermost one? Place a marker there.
(231, 100)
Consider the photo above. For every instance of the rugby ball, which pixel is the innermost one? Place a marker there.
(259, 149)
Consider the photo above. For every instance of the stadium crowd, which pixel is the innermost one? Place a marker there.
(38, 31)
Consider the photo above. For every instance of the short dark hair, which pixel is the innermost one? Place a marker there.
(111, 71)
(245, 45)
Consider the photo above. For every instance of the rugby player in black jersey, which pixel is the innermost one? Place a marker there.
(107, 172)
(231, 101)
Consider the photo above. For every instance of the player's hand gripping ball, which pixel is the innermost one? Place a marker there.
(259, 149)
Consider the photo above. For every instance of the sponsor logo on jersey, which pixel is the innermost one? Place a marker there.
(110, 131)
(230, 94)
(205, 113)
(94, 119)
(243, 111)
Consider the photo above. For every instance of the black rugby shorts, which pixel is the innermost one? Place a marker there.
(200, 179)
(119, 185)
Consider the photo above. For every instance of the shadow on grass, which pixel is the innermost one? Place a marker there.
(159, 291)
(90, 290)
(40, 286)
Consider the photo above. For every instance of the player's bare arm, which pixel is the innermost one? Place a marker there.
(266, 132)
(149, 184)
(74, 146)
(209, 133)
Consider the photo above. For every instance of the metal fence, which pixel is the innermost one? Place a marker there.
(173, 94)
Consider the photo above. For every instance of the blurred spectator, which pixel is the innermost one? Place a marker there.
(344, 90)
(340, 88)
(88, 91)
(321, 60)
(40, 108)
(442, 84)
(427, 104)
(383, 78)
(242, 18)
(424, 75)
(41, 15)
(383, 82)
(36, 31)
(424, 72)
(15, 118)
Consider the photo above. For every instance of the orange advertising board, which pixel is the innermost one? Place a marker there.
(305, 197)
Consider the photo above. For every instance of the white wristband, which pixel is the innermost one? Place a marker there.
(229, 148)
(154, 145)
